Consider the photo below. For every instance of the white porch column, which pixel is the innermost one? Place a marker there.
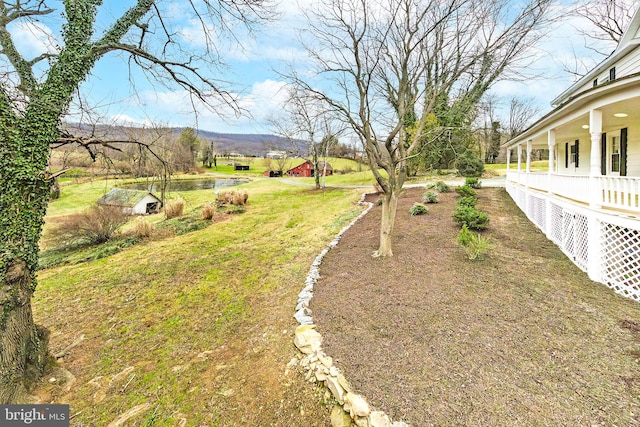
(551, 143)
(519, 163)
(595, 199)
(527, 177)
(508, 159)
(595, 127)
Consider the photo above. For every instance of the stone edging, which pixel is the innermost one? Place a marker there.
(319, 367)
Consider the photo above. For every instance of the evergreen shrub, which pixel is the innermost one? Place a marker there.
(473, 218)
(468, 164)
(466, 191)
(430, 197)
(472, 182)
(418, 209)
(442, 187)
(468, 201)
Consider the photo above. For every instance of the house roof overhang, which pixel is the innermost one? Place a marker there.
(124, 197)
(627, 43)
(620, 95)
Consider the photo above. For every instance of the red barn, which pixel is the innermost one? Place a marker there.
(306, 169)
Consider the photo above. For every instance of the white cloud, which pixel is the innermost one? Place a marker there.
(263, 101)
(126, 120)
(560, 50)
(33, 38)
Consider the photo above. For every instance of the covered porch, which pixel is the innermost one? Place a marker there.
(588, 200)
(593, 146)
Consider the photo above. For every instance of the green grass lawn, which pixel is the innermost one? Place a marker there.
(501, 168)
(196, 327)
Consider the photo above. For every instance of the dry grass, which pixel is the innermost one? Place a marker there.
(142, 228)
(208, 211)
(174, 209)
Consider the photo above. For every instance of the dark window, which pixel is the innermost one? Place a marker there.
(595, 83)
(612, 73)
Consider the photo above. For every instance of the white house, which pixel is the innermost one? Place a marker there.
(588, 203)
(132, 202)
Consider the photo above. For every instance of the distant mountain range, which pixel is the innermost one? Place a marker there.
(251, 144)
(257, 145)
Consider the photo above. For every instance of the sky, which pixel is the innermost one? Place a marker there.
(253, 68)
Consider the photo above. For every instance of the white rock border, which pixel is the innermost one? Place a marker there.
(319, 367)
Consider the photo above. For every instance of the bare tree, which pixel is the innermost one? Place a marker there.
(392, 63)
(36, 93)
(522, 111)
(606, 22)
(307, 119)
(608, 18)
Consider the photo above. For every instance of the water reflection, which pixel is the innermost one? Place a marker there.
(187, 184)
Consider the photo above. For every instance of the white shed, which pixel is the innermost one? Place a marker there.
(132, 202)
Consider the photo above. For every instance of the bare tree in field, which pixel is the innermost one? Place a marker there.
(391, 64)
(35, 94)
(307, 119)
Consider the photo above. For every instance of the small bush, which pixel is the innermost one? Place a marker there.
(466, 191)
(430, 197)
(464, 236)
(476, 246)
(347, 169)
(232, 197)
(95, 226)
(232, 209)
(142, 228)
(442, 187)
(468, 164)
(468, 201)
(418, 209)
(473, 182)
(473, 218)
(174, 209)
(208, 211)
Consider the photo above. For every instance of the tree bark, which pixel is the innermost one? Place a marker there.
(389, 208)
(23, 355)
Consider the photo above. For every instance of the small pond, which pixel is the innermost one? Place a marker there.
(187, 184)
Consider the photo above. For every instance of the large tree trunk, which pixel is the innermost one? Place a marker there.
(23, 346)
(389, 208)
(23, 203)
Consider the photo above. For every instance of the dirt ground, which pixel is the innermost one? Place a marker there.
(520, 338)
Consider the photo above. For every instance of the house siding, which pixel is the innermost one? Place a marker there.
(584, 151)
(633, 156)
(633, 151)
(630, 64)
(626, 66)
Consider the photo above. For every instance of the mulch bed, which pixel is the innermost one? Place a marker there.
(433, 338)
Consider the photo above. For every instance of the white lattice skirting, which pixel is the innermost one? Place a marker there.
(605, 246)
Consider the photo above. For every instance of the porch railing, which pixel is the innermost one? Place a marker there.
(620, 192)
(615, 192)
